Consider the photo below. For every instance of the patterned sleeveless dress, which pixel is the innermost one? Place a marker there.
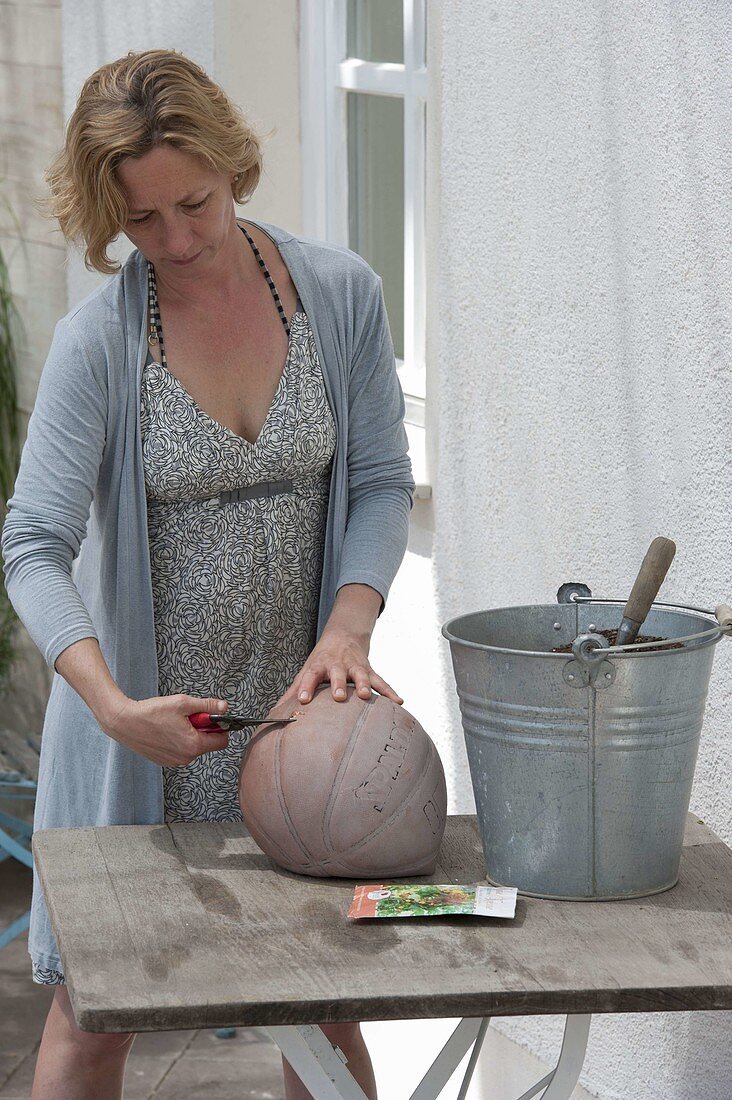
(236, 533)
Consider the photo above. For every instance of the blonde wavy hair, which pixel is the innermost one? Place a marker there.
(125, 109)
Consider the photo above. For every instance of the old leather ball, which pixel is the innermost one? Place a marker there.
(351, 789)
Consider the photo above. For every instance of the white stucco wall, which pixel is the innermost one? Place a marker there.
(581, 287)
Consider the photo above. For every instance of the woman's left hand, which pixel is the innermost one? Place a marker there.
(338, 657)
(341, 654)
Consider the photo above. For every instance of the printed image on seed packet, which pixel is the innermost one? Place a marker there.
(432, 900)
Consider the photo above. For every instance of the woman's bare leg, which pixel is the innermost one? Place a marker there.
(350, 1040)
(74, 1064)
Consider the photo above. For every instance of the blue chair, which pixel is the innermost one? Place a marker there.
(19, 755)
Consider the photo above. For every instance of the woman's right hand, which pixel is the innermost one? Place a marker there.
(159, 728)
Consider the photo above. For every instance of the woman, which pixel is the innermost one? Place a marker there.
(241, 520)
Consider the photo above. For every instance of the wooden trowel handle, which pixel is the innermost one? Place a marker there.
(724, 615)
(650, 577)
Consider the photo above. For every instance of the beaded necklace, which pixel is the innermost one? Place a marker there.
(155, 328)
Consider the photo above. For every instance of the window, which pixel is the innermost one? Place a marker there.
(363, 92)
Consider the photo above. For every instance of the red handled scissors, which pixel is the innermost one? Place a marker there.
(209, 723)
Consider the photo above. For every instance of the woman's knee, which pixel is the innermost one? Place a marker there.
(88, 1042)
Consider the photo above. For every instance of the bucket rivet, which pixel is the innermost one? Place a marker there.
(592, 628)
(557, 626)
(570, 676)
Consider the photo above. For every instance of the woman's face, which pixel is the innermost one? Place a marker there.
(181, 209)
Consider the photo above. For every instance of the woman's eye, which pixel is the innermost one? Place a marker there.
(188, 206)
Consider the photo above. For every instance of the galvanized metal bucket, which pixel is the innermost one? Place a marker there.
(581, 763)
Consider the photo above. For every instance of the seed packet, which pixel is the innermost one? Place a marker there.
(430, 900)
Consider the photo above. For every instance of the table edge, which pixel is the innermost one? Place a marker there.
(444, 1006)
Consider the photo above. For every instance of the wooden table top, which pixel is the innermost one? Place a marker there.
(163, 927)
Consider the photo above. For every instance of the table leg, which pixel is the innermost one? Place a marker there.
(559, 1084)
(322, 1069)
(474, 1055)
(468, 1031)
(319, 1065)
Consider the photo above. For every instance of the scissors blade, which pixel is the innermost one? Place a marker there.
(240, 722)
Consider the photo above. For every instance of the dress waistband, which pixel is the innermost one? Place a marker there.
(261, 490)
(255, 492)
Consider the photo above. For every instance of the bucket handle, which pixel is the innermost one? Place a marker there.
(723, 615)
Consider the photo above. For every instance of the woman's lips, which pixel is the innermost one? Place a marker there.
(182, 263)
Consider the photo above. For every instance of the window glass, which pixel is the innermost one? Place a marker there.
(376, 196)
(376, 30)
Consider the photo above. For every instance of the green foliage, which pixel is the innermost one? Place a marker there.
(7, 624)
(9, 435)
(411, 900)
(9, 445)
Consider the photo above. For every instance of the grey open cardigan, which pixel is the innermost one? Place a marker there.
(81, 480)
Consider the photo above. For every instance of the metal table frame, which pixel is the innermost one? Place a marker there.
(323, 1069)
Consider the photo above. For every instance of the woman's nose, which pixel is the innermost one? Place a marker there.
(177, 240)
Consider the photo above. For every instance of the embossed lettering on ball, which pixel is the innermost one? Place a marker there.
(350, 790)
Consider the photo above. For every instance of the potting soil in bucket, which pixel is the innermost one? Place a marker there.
(581, 764)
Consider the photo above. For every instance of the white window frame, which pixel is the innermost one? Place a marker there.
(327, 75)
